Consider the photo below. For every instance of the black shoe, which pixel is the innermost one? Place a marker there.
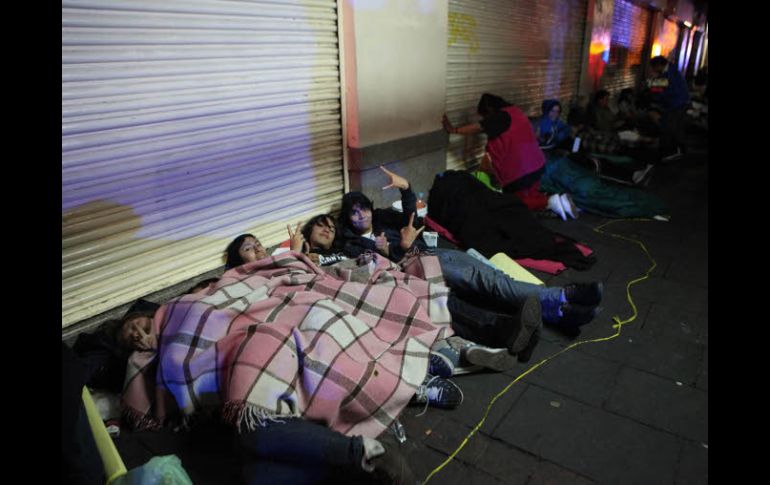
(392, 467)
(526, 354)
(531, 319)
(574, 316)
(584, 293)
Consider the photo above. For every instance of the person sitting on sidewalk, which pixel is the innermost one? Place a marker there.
(551, 131)
(393, 235)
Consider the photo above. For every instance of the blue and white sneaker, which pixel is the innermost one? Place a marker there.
(440, 365)
(438, 392)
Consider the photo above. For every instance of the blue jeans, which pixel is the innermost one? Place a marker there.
(471, 278)
(299, 452)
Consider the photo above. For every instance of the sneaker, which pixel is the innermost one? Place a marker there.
(526, 354)
(496, 359)
(584, 293)
(440, 365)
(438, 392)
(555, 204)
(530, 319)
(673, 157)
(641, 177)
(574, 317)
(478, 356)
(569, 206)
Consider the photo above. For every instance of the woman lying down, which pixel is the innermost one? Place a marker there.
(310, 368)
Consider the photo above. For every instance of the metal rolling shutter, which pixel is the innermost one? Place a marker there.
(184, 124)
(630, 31)
(523, 51)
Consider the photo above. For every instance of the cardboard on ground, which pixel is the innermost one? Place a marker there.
(513, 269)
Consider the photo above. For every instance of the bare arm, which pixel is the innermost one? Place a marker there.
(469, 129)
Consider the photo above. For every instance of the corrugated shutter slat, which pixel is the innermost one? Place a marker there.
(184, 124)
(630, 32)
(523, 51)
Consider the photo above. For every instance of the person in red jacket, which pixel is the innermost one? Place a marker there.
(513, 154)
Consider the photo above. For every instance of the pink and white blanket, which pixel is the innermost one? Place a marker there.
(281, 337)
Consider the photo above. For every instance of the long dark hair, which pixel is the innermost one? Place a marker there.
(548, 105)
(349, 200)
(233, 257)
(307, 229)
(489, 104)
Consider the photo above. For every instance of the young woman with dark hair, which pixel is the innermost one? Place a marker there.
(512, 153)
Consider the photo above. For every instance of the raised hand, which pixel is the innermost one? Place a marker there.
(395, 180)
(409, 233)
(296, 238)
(447, 124)
(381, 242)
(146, 340)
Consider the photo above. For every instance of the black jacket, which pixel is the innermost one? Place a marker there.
(388, 221)
(492, 223)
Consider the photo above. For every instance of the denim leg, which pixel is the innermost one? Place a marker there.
(469, 276)
(301, 451)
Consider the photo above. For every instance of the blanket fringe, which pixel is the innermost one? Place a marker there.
(139, 421)
(248, 417)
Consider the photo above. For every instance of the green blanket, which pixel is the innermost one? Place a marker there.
(592, 194)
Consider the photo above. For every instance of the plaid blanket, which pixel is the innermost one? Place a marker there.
(281, 337)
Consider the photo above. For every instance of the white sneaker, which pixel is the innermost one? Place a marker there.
(673, 157)
(555, 204)
(569, 206)
(640, 175)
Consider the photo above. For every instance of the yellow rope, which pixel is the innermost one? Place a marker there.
(617, 326)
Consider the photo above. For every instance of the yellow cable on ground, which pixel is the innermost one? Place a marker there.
(617, 326)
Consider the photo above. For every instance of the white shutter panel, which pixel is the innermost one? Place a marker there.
(520, 50)
(630, 32)
(184, 124)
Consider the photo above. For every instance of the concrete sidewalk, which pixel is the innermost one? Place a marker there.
(630, 410)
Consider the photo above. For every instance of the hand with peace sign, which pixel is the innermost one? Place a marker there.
(409, 233)
(298, 243)
(396, 181)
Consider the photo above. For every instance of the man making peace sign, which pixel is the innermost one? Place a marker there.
(393, 234)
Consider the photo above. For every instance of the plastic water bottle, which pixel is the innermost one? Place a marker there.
(576, 145)
(420, 203)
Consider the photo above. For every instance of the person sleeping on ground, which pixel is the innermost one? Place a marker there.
(289, 450)
(488, 342)
(392, 234)
(280, 339)
(451, 356)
